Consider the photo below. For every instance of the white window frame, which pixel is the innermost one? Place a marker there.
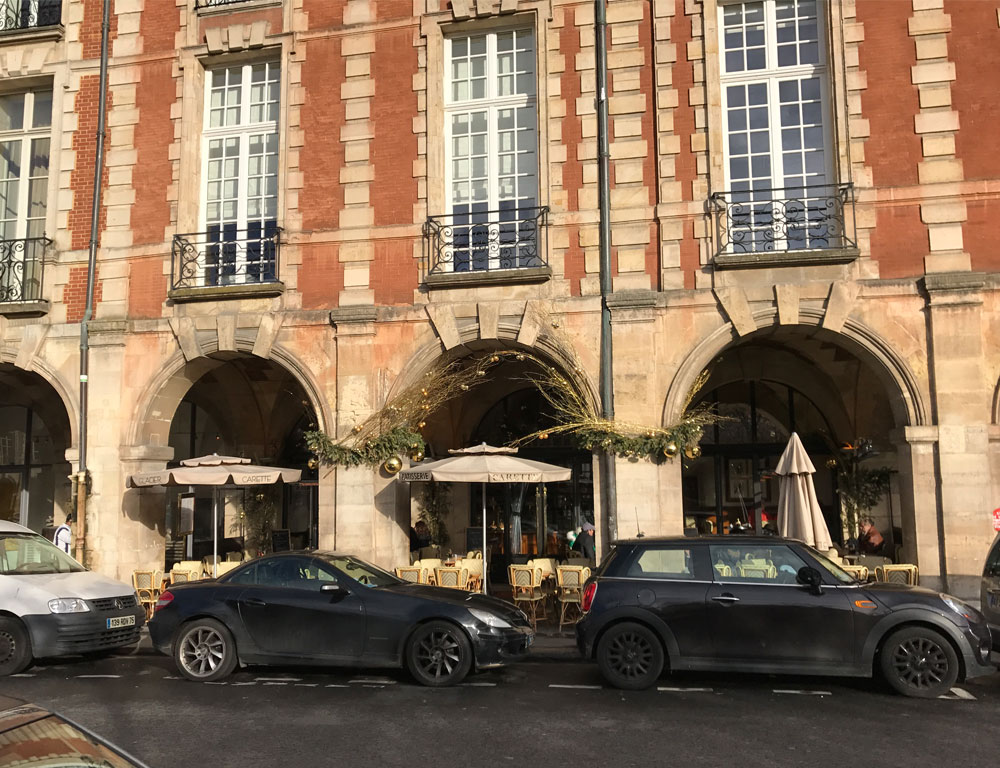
(27, 137)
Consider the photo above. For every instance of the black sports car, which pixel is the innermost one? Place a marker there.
(332, 609)
(765, 604)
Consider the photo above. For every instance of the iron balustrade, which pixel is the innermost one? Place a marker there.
(29, 14)
(487, 241)
(21, 267)
(784, 219)
(225, 257)
(216, 3)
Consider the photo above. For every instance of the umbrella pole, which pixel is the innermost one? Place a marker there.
(215, 534)
(485, 571)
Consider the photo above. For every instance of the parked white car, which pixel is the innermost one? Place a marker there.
(50, 605)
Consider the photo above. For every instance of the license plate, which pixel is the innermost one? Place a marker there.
(121, 621)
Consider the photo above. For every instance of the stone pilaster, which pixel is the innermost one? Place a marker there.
(586, 150)
(666, 98)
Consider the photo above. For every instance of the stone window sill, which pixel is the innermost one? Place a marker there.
(497, 277)
(804, 258)
(226, 292)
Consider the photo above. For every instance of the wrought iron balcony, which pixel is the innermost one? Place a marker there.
(21, 266)
(787, 219)
(487, 241)
(29, 14)
(225, 257)
(217, 3)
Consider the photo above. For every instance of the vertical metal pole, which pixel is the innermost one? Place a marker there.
(486, 572)
(88, 313)
(608, 481)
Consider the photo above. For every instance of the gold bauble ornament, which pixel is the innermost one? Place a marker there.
(312, 463)
(417, 456)
(520, 357)
(421, 425)
(543, 436)
(356, 428)
(392, 465)
(670, 449)
(495, 359)
(692, 451)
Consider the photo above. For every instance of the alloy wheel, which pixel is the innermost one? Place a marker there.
(438, 654)
(8, 646)
(202, 651)
(630, 655)
(920, 663)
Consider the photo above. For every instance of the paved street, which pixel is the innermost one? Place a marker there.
(550, 711)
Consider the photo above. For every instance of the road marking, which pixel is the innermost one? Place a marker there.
(306, 685)
(97, 677)
(245, 683)
(577, 687)
(684, 690)
(336, 685)
(22, 674)
(216, 682)
(173, 677)
(372, 680)
(802, 693)
(274, 682)
(278, 679)
(958, 694)
(479, 685)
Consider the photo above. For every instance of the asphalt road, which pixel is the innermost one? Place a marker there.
(537, 713)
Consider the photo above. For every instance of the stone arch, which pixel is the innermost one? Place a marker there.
(54, 379)
(901, 385)
(150, 424)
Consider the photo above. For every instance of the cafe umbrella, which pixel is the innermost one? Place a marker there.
(799, 514)
(485, 464)
(217, 472)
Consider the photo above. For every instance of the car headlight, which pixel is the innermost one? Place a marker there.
(490, 619)
(68, 605)
(962, 609)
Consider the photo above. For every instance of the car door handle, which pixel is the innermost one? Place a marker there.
(726, 599)
(254, 601)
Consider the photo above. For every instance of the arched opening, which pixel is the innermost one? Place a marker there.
(34, 435)
(250, 407)
(766, 386)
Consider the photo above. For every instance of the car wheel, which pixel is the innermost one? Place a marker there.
(919, 662)
(438, 654)
(630, 656)
(205, 651)
(15, 647)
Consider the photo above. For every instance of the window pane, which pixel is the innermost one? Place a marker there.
(663, 564)
(12, 112)
(42, 112)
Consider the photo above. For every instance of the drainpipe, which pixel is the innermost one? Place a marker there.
(88, 313)
(608, 481)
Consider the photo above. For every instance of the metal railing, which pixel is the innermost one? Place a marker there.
(487, 241)
(784, 219)
(225, 257)
(215, 3)
(21, 267)
(29, 14)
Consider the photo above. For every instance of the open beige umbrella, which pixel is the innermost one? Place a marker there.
(485, 464)
(215, 470)
(799, 513)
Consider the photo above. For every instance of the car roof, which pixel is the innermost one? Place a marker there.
(6, 526)
(732, 539)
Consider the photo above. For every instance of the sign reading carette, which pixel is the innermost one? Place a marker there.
(996, 519)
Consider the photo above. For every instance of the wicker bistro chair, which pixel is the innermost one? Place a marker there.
(227, 565)
(429, 565)
(180, 575)
(412, 573)
(526, 589)
(721, 569)
(860, 572)
(147, 588)
(452, 578)
(569, 581)
(757, 571)
(474, 565)
(902, 573)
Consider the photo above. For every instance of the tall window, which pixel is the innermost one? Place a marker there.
(775, 104)
(491, 155)
(25, 127)
(241, 173)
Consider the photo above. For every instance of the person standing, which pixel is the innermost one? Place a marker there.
(63, 537)
(870, 542)
(585, 543)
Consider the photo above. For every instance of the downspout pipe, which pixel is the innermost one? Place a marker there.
(608, 480)
(88, 312)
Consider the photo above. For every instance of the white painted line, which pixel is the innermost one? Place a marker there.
(371, 680)
(273, 682)
(684, 690)
(23, 674)
(373, 686)
(173, 677)
(479, 685)
(278, 679)
(336, 685)
(577, 687)
(216, 682)
(306, 685)
(97, 677)
(957, 694)
(249, 683)
(803, 693)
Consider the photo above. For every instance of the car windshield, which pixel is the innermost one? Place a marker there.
(835, 570)
(27, 553)
(360, 571)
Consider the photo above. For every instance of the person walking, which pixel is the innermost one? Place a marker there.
(585, 543)
(63, 537)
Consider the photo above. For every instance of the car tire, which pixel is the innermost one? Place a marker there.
(630, 656)
(438, 653)
(205, 651)
(917, 661)
(15, 646)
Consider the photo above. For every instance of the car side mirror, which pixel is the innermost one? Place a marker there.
(810, 577)
(333, 589)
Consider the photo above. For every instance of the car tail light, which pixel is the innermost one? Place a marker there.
(588, 596)
(166, 598)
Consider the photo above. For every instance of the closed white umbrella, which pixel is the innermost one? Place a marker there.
(799, 514)
(215, 470)
(485, 464)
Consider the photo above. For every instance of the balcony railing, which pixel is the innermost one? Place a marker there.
(217, 3)
(21, 266)
(29, 14)
(787, 219)
(227, 257)
(489, 241)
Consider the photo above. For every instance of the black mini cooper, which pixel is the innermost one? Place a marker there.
(771, 605)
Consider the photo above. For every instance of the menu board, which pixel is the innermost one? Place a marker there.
(281, 541)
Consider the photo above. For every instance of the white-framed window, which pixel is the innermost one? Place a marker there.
(240, 173)
(491, 149)
(25, 142)
(776, 117)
